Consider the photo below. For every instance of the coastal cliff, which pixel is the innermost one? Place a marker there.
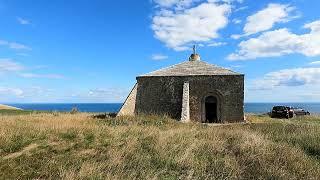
(5, 107)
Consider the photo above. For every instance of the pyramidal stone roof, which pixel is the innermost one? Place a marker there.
(191, 68)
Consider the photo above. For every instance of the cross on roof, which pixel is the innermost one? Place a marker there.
(194, 49)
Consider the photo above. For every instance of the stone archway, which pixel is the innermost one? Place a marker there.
(212, 108)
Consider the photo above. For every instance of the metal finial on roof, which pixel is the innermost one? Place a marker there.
(194, 56)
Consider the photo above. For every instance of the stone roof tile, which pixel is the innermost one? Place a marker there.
(191, 68)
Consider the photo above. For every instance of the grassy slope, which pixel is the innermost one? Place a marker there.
(76, 146)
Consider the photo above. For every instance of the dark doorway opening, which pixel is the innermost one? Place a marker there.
(211, 109)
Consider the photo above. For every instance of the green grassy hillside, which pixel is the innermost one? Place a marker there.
(55, 145)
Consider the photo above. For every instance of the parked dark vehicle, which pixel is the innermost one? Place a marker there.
(282, 112)
(300, 112)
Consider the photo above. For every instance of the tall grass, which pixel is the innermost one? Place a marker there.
(75, 146)
(301, 132)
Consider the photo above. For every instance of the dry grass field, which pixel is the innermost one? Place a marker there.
(75, 146)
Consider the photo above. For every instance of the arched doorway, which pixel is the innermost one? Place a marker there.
(211, 110)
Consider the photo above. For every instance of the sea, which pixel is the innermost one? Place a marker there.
(257, 108)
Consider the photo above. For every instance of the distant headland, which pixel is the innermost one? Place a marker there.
(5, 107)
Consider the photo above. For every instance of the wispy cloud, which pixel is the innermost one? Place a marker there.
(241, 8)
(23, 21)
(11, 91)
(105, 94)
(159, 57)
(8, 65)
(26, 94)
(237, 21)
(48, 76)
(14, 45)
(237, 66)
(41, 94)
(314, 63)
(18, 46)
(216, 44)
(177, 4)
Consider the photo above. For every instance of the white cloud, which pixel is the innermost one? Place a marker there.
(182, 4)
(14, 45)
(236, 36)
(267, 18)
(177, 29)
(237, 66)
(226, 1)
(314, 63)
(11, 91)
(106, 94)
(8, 65)
(307, 93)
(280, 42)
(49, 76)
(288, 77)
(236, 21)
(178, 4)
(286, 85)
(18, 46)
(23, 21)
(216, 44)
(27, 94)
(241, 8)
(40, 94)
(159, 57)
(166, 3)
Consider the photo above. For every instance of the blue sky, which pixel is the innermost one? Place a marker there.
(91, 51)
